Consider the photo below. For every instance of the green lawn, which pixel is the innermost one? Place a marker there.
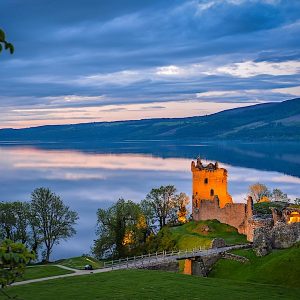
(43, 271)
(193, 234)
(281, 267)
(79, 262)
(141, 284)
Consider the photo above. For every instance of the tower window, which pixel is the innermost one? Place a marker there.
(206, 180)
(212, 192)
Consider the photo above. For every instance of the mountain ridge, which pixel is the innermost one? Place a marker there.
(267, 121)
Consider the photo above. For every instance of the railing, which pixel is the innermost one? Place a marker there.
(164, 256)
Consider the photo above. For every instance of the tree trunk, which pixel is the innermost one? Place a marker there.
(48, 252)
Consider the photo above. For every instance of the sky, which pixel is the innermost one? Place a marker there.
(103, 60)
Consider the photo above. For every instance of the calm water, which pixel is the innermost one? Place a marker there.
(88, 179)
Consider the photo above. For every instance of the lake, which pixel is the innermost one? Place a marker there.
(88, 177)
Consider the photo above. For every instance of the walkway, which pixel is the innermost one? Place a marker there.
(139, 262)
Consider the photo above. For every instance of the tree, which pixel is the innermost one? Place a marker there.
(13, 259)
(53, 220)
(18, 223)
(182, 202)
(162, 203)
(7, 221)
(3, 42)
(297, 201)
(162, 241)
(121, 229)
(278, 195)
(258, 190)
(165, 206)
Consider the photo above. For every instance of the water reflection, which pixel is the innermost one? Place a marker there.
(87, 181)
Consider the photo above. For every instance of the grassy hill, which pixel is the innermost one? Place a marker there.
(141, 284)
(79, 262)
(281, 267)
(200, 234)
(271, 121)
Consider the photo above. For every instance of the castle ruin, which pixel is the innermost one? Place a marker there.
(211, 200)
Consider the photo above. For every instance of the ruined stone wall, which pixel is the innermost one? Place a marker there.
(234, 214)
(257, 222)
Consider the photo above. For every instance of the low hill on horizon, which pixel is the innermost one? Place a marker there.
(261, 122)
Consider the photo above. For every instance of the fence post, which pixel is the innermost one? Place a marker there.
(134, 261)
(112, 264)
(127, 262)
(156, 255)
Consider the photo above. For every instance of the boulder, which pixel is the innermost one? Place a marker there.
(218, 243)
(285, 235)
(262, 244)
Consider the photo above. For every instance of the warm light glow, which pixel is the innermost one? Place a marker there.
(294, 217)
(264, 199)
(128, 238)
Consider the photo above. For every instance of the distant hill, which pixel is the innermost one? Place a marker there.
(262, 122)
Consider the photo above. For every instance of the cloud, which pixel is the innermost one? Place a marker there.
(250, 68)
(113, 52)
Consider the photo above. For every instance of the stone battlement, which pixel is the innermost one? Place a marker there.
(209, 181)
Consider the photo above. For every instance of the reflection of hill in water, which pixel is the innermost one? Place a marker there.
(280, 157)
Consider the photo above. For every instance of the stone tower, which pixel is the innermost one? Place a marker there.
(208, 182)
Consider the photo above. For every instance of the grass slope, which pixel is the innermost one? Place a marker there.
(281, 267)
(79, 262)
(201, 233)
(35, 272)
(140, 284)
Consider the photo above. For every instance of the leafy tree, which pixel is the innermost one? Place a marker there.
(258, 190)
(278, 195)
(3, 42)
(21, 212)
(182, 203)
(121, 229)
(297, 201)
(162, 203)
(7, 221)
(14, 221)
(54, 220)
(36, 237)
(165, 206)
(18, 223)
(162, 241)
(13, 259)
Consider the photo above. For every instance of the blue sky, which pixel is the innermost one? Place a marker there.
(81, 61)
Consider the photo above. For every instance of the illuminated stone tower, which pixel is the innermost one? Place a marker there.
(208, 182)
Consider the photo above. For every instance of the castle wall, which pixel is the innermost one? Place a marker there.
(234, 214)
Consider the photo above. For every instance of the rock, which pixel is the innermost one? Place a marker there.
(280, 236)
(262, 244)
(218, 243)
(285, 235)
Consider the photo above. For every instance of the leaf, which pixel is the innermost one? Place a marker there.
(2, 36)
(11, 48)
